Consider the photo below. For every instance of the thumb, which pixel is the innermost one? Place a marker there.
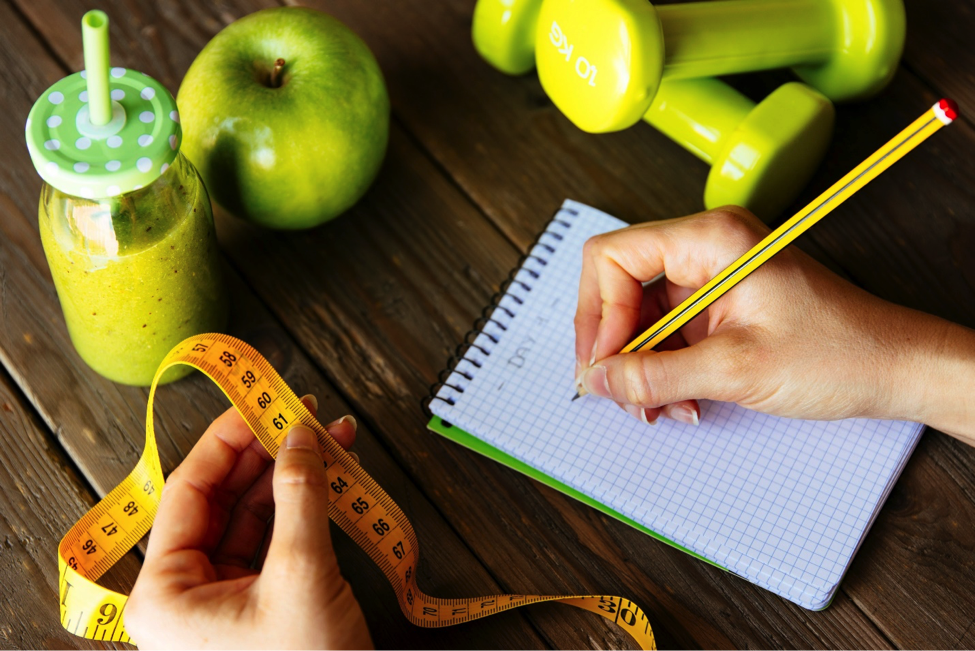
(301, 545)
(653, 379)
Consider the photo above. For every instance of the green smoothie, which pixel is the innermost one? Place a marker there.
(135, 274)
(124, 218)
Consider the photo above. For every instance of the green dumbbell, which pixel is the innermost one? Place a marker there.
(601, 61)
(761, 156)
(503, 32)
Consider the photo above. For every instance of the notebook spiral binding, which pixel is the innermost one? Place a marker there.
(540, 250)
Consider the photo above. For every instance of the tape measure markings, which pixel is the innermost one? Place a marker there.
(357, 504)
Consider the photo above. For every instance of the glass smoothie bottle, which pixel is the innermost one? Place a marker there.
(124, 218)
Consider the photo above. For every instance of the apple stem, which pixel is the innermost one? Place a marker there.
(276, 73)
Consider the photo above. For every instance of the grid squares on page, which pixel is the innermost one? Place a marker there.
(783, 503)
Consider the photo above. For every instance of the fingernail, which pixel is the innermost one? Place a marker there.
(634, 411)
(594, 380)
(643, 417)
(312, 399)
(354, 456)
(302, 437)
(685, 415)
(339, 421)
(592, 359)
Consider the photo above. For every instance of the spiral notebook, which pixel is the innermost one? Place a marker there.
(782, 503)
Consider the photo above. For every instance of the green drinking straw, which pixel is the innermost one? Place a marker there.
(94, 35)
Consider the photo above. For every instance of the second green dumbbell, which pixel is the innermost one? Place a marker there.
(761, 156)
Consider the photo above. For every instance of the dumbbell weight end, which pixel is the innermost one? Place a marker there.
(504, 34)
(761, 156)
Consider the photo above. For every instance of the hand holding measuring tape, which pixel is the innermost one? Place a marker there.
(357, 504)
(209, 565)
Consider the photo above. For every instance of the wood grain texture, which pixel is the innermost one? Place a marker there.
(925, 537)
(560, 626)
(102, 424)
(517, 157)
(906, 237)
(398, 283)
(939, 48)
(41, 496)
(418, 260)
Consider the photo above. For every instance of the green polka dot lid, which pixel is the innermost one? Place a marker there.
(103, 131)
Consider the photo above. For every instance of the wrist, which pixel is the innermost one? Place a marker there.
(934, 376)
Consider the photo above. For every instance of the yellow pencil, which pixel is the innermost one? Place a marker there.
(939, 115)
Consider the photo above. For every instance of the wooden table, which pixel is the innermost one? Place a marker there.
(365, 310)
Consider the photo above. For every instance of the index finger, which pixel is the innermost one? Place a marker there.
(688, 250)
(614, 268)
(183, 520)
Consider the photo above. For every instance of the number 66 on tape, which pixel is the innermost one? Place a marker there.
(358, 505)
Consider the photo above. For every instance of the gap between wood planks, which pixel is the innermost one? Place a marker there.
(465, 194)
(42, 495)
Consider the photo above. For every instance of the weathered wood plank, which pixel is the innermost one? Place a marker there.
(41, 496)
(515, 155)
(938, 48)
(102, 426)
(905, 236)
(925, 538)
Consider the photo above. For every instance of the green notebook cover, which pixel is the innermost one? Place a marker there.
(457, 435)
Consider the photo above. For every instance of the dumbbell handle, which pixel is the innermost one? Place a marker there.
(685, 112)
(708, 39)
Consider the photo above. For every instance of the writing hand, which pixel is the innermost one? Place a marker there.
(793, 339)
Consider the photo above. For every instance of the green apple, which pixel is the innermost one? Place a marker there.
(286, 116)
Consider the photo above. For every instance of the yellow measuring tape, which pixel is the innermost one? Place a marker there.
(357, 504)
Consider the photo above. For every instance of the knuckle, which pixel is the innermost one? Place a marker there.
(590, 244)
(734, 226)
(593, 246)
(304, 474)
(638, 388)
(661, 377)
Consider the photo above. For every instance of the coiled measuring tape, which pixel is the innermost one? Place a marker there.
(357, 504)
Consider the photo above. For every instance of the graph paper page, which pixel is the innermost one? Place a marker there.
(783, 503)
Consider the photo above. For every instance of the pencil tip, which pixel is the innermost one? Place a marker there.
(575, 397)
